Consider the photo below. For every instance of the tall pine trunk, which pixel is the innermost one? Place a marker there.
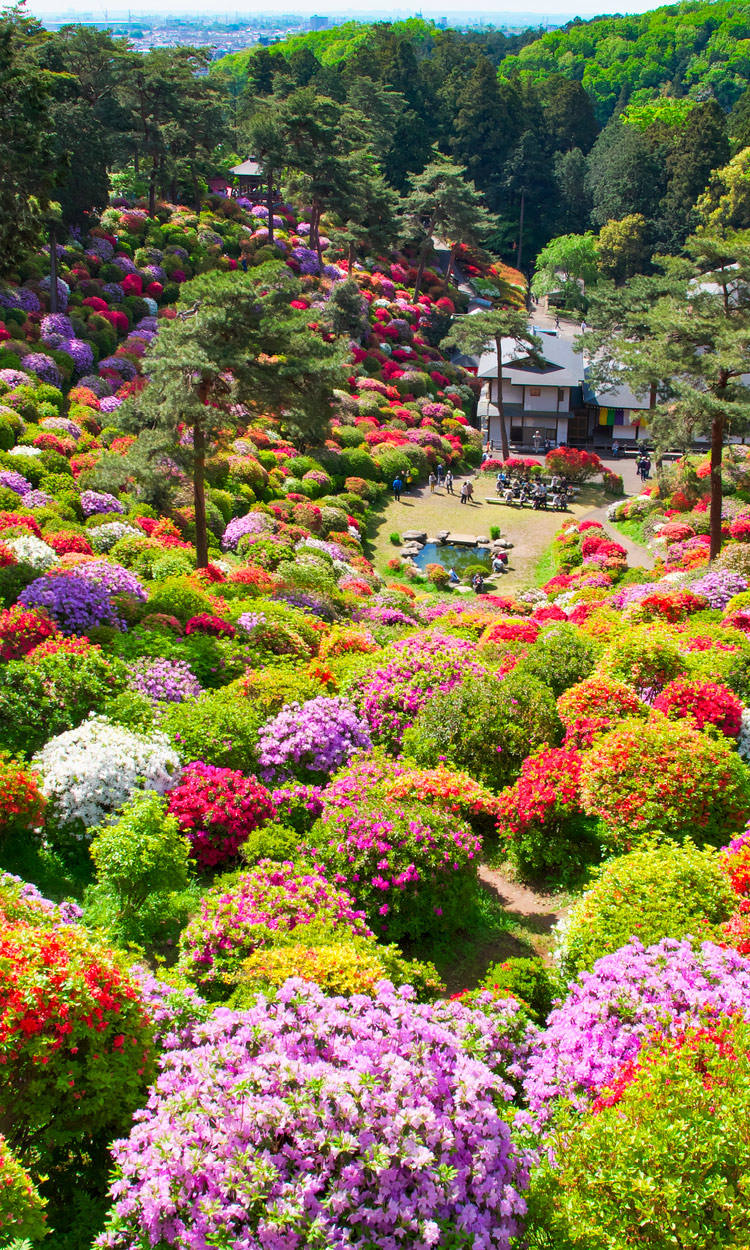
(199, 489)
(270, 206)
(717, 447)
(519, 249)
(451, 263)
(420, 269)
(152, 188)
(500, 403)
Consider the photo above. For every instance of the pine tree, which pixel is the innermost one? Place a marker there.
(235, 343)
(684, 336)
(443, 201)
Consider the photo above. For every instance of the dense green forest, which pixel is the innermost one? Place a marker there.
(700, 48)
(616, 120)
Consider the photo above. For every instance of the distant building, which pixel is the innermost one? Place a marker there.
(555, 398)
(318, 23)
(250, 183)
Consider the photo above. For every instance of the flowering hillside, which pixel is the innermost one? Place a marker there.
(245, 804)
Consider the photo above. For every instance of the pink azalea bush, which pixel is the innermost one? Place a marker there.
(610, 1012)
(391, 695)
(412, 868)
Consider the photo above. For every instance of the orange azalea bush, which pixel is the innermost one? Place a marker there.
(666, 776)
(455, 791)
(347, 640)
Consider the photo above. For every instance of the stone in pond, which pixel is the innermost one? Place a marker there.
(414, 536)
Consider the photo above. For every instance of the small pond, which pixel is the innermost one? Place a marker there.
(452, 556)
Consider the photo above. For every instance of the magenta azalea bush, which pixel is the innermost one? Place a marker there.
(314, 1121)
(253, 909)
(411, 867)
(391, 695)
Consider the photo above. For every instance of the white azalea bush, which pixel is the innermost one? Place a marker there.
(90, 772)
(32, 551)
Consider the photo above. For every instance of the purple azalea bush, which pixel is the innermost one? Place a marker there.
(96, 501)
(719, 586)
(314, 737)
(322, 1121)
(252, 523)
(44, 367)
(76, 604)
(15, 481)
(115, 579)
(612, 1010)
(165, 681)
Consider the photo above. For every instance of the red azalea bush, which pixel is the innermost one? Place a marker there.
(594, 706)
(668, 605)
(510, 629)
(735, 932)
(7, 557)
(676, 531)
(740, 529)
(21, 800)
(12, 520)
(551, 613)
(577, 466)
(664, 776)
(205, 623)
(22, 629)
(705, 702)
(738, 620)
(217, 809)
(540, 819)
(64, 543)
(75, 1042)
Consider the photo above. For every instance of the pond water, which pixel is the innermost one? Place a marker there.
(453, 557)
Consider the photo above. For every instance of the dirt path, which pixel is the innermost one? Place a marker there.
(531, 917)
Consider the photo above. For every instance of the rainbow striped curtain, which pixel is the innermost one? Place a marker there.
(615, 416)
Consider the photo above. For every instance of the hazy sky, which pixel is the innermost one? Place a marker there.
(533, 11)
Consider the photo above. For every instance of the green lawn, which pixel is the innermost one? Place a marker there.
(530, 532)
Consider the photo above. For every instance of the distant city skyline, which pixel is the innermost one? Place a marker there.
(534, 12)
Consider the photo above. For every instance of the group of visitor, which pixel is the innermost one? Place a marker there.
(441, 477)
(643, 465)
(515, 489)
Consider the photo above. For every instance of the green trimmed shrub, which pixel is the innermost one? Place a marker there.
(662, 890)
